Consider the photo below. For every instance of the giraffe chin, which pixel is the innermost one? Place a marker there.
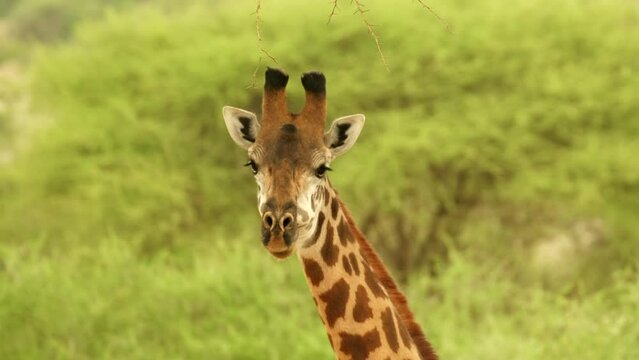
(278, 248)
(281, 254)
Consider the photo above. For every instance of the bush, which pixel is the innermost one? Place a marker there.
(141, 141)
(207, 302)
(479, 146)
(6, 6)
(52, 20)
(10, 100)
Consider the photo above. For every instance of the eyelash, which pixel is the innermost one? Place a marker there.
(321, 171)
(253, 165)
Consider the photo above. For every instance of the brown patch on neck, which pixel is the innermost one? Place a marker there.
(342, 231)
(330, 252)
(347, 265)
(335, 299)
(353, 259)
(327, 196)
(388, 325)
(359, 347)
(362, 310)
(313, 271)
(399, 300)
(334, 208)
(372, 282)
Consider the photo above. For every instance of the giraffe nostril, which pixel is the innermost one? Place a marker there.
(268, 220)
(286, 221)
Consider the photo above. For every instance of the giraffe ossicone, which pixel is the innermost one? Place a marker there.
(365, 315)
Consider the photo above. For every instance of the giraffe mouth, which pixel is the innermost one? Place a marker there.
(279, 243)
(282, 254)
(279, 246)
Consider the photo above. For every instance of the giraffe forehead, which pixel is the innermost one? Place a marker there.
(292, 144)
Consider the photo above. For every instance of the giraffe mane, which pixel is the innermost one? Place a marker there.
(397, 297)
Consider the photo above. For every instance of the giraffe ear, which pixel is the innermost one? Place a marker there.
(343, 133)
(242, 126)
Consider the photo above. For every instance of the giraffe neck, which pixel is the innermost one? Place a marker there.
(365, 316)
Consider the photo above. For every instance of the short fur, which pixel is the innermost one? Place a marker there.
(397, 297)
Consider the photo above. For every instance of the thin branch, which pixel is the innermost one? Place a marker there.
(261, 49)
(361, 9)
(254, 77)
(333, 11)
(258, 20)
(269, 55)
(443, 21)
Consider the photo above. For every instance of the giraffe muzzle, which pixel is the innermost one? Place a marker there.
(279, 231)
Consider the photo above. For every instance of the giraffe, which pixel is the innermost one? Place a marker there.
(365, 315)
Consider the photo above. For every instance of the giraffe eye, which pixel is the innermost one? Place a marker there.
(253, 166)
(321, 171)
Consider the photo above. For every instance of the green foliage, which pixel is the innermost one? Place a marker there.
(480, 146)
(208, 301)
(6, 127)
(176, 306)
(511, 111)
(10, 99)
(51, 20)
(28, 23)
(46, 20)
(478, 312)
(6, 6)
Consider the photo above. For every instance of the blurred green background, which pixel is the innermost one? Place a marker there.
(498, 175)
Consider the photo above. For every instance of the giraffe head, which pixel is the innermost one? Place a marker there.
(289, 154)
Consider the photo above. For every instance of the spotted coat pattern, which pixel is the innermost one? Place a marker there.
(360, 318)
